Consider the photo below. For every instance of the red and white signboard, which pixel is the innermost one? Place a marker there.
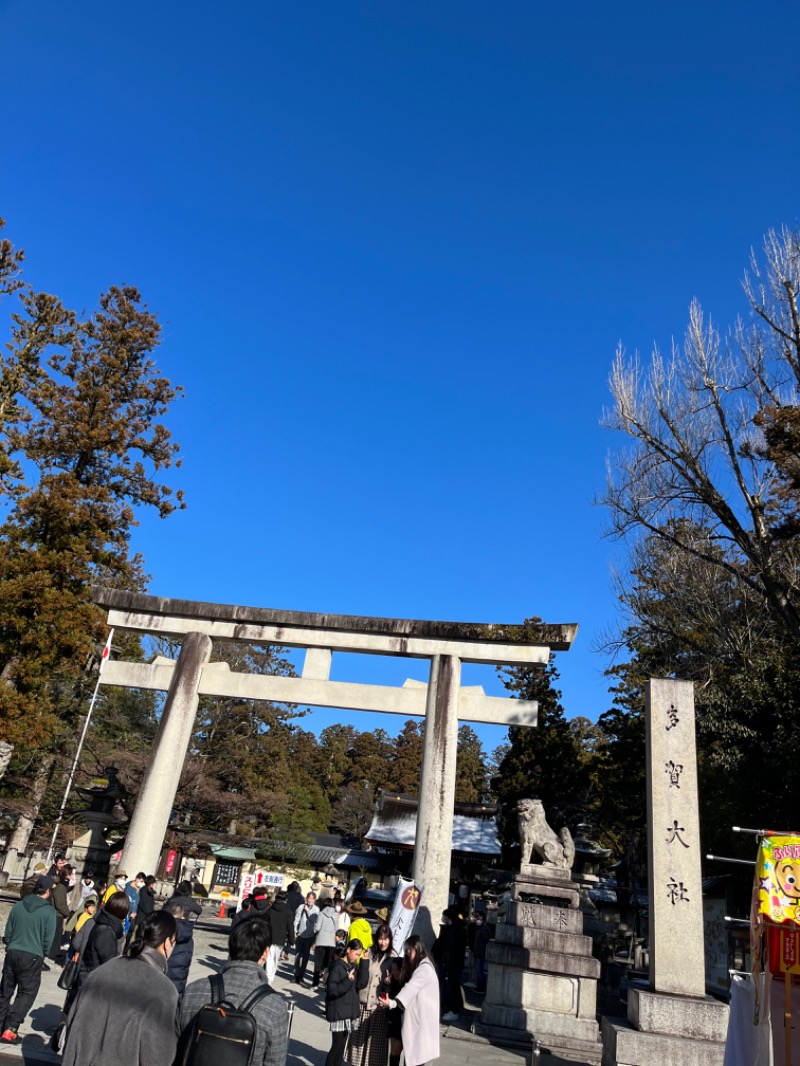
(258, 877)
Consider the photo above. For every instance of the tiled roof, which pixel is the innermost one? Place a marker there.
(349, 859)
(236, 854)
(398, 828)
(320, 854)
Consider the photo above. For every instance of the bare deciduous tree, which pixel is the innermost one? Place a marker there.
(699, 472)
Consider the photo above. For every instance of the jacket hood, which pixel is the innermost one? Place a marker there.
(280, 905)
(33, 903)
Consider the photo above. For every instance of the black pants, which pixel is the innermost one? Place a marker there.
(323, 957)
(335, 1056)
(454, 1000)
(23, 972)
(304, 945)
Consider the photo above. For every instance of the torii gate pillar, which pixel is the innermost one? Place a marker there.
(432, 847)
(157, 794)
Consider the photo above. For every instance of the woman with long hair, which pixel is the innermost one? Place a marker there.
(418, 999)
(369, 1044)
(108, 930)
(125, 1010)
(341, 1003)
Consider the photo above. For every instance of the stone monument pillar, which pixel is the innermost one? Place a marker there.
(672, 1019)
(433, 844)
(154, 804)
(542, 975)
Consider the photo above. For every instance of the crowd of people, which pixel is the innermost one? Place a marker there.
(127, 959)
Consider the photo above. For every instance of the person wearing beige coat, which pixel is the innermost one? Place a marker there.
(419, 1001)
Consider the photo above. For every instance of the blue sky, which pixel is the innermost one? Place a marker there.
(393, 247)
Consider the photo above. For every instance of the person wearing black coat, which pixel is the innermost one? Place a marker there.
(450, 951)
(281, 920)
(58, 898)
(294, 900)
(256, 905)
(180, 960)
(342, 1008)
(183, 896)
(260, 901)
(245, 913)
(483, 935)
(294, 897)
(281, 924)
(103, 942)
(147, 899)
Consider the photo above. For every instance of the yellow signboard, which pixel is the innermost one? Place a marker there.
(778, 879)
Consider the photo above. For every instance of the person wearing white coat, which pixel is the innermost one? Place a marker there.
(419, 1001)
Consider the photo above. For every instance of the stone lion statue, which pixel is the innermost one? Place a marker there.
(536, 837)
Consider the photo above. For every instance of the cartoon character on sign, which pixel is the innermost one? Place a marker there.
(410, 898)
(787, 874)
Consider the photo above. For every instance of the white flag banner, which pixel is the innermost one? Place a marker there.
(404, 912)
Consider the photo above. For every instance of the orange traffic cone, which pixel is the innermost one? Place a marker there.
(223, 910)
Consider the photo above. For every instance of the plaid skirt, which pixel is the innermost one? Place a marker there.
(369, 1044)
(345, 1025)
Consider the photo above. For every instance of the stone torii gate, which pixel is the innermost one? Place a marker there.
(442, 702)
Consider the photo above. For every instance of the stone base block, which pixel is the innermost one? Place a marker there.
(544, 1025)
(547, 961)
(565, 892)
(542, 916)
(658, 1012)
(625, 1046)
(553, 993)
(536, 871)
(544, 940)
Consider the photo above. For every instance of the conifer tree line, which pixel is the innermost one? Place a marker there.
(703, 492)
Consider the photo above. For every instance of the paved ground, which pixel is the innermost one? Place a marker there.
(310, 1037)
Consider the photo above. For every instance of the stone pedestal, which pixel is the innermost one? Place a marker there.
(667, 1030)
(542, 976)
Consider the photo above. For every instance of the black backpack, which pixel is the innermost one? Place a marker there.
(221, 1034)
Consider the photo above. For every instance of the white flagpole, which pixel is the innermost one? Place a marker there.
(106, 653)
